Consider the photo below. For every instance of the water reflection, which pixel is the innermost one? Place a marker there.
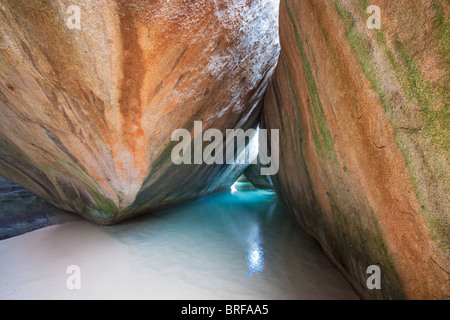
(255, 257)
(230, 224)
(235, 244)
(241, 245)
(255, 261)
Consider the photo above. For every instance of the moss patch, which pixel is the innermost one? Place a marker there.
(103, 208)
(368, 248)
(433, 135)
(322, 135)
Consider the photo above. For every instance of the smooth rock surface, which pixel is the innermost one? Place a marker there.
(364, 135)
(86, 115)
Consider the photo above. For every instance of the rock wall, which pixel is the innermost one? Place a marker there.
(364, 134)
(253, 174)
(86, 115)
(22, 212)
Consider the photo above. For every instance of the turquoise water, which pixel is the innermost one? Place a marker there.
(235, 245)
(232, 245)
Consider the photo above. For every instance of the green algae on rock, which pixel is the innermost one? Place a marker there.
(363, 120)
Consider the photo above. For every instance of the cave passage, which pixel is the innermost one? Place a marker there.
(231, 245)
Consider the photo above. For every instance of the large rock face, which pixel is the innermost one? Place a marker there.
(86, 115)
(364, 134)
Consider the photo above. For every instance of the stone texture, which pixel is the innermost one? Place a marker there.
(86, 116)
(253, 174)
(243, 184)
(21, 211)
(364, 134)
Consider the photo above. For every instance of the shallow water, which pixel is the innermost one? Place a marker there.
(236, 245)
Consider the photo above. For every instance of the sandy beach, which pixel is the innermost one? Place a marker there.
(240, 245)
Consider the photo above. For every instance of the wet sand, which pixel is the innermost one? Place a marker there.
(237, 245)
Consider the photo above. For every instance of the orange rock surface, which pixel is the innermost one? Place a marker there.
(86, 115)
(363, 119)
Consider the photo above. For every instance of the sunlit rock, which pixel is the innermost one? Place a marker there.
(91, 92)
(364, 137)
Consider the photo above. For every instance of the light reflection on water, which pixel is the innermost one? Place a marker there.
(233, 244)
(255, 257)
(241, 245)
(255, 260)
